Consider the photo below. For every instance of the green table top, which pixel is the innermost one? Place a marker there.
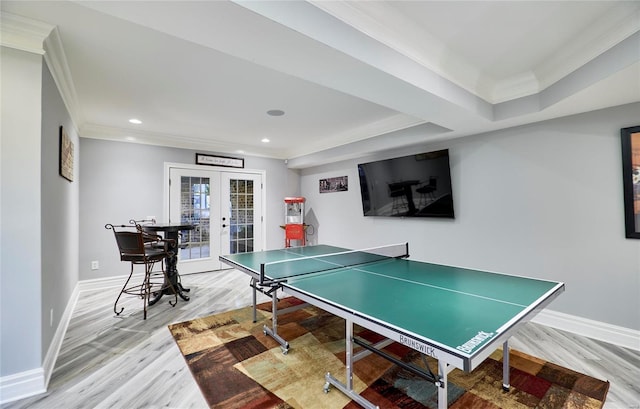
(457, 308)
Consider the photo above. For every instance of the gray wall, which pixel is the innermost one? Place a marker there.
(59, 212)
(20, 237)
(52, 228)
(543, 200)
(121, 181)
(39, 213)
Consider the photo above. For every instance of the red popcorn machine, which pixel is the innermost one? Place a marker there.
(294, 227)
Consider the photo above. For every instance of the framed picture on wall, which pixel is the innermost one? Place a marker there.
(216, 160)
(66, 156)
(631, 180)
(337, 184)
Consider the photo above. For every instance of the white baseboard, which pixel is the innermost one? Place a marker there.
(22, 385)
(56, 343)
(34, 382)
(108, 282)
(612, 334)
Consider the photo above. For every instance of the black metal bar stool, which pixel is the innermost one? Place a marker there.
(138, 247)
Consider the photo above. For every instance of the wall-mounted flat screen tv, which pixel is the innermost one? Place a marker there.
(409, 186)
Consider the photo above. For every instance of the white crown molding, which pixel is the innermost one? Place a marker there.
(609, 30)
(395, 141)
(417, 44)
(41, 38)
(387, 125)
(56, 60)
(384, 126)
(23, 33)
(382, 22)
(515, 87)
(95, 131)
(618, 24)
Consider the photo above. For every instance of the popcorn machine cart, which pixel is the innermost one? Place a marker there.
(294, 227)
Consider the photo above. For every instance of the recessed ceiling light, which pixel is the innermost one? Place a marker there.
(239, 151)
(130, 138)
(135, 121)
(275, 112)
(265, 140)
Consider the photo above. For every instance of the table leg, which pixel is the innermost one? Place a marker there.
(273, 331)
(171, 265)
(174, 277)
(255, 299)
(348, 388)
(443, 371)
(505, 367)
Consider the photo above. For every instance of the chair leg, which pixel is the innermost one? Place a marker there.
(115, 304)
(146, 286)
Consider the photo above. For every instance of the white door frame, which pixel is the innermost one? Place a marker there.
(262, 173)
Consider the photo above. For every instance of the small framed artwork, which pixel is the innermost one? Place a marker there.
(631, 180)
(215, 160)
(66, 156)
(338, 184)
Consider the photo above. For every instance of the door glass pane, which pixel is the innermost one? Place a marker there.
(241, 218)
(195, 206)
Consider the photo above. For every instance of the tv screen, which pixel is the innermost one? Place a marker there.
(409, 186)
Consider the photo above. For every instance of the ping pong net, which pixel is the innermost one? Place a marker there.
(279, 271)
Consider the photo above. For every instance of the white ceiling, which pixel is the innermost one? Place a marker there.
(361, 75)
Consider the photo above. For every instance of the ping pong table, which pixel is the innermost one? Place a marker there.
(456, 315)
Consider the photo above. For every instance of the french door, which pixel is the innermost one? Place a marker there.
(225, 207)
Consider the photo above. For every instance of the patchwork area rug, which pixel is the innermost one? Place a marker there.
(237, 366)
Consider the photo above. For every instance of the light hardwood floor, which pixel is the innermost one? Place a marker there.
(125, 362)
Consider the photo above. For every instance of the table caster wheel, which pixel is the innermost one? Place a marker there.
(327, 387)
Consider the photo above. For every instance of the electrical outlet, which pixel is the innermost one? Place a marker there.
(95, 265)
